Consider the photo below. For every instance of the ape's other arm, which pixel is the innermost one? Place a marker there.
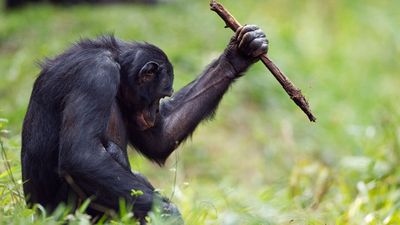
(83, 154)
(180, 114)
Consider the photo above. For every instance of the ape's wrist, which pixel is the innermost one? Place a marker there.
(238, 62)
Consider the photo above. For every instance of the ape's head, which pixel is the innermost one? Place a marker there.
(146, 77)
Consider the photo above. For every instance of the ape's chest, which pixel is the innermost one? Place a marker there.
(116, 130)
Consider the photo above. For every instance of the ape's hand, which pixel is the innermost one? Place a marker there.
(251, 41)
(245, 47)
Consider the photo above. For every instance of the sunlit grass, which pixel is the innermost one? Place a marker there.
(260, 161)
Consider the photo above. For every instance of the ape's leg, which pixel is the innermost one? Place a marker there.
(118, 154)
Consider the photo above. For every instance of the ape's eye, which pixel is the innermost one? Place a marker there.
(148, 77)
(164, 82)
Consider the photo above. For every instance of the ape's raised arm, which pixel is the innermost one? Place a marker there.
(180, 114)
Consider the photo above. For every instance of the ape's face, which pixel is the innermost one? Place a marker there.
(141, 92)
(146, 77)
(153, 83)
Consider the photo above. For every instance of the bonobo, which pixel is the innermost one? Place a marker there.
(100, 95)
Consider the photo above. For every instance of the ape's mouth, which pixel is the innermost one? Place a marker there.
(144, 121)
(147, 118)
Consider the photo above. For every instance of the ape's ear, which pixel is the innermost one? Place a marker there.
(148, 72)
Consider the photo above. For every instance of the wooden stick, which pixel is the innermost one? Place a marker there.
(294, 93)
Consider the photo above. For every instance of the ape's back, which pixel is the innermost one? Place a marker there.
(41, 128)
(39, 154)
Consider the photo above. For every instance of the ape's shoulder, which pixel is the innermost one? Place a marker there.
(85, 49)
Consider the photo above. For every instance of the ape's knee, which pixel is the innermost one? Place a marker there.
(170, 209)
(166, 211)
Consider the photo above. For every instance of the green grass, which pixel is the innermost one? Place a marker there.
(260, 161)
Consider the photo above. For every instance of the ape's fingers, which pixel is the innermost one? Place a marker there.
(260, 50)
(248, 37)
(245, 29)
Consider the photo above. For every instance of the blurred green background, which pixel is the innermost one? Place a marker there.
(259, 161)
